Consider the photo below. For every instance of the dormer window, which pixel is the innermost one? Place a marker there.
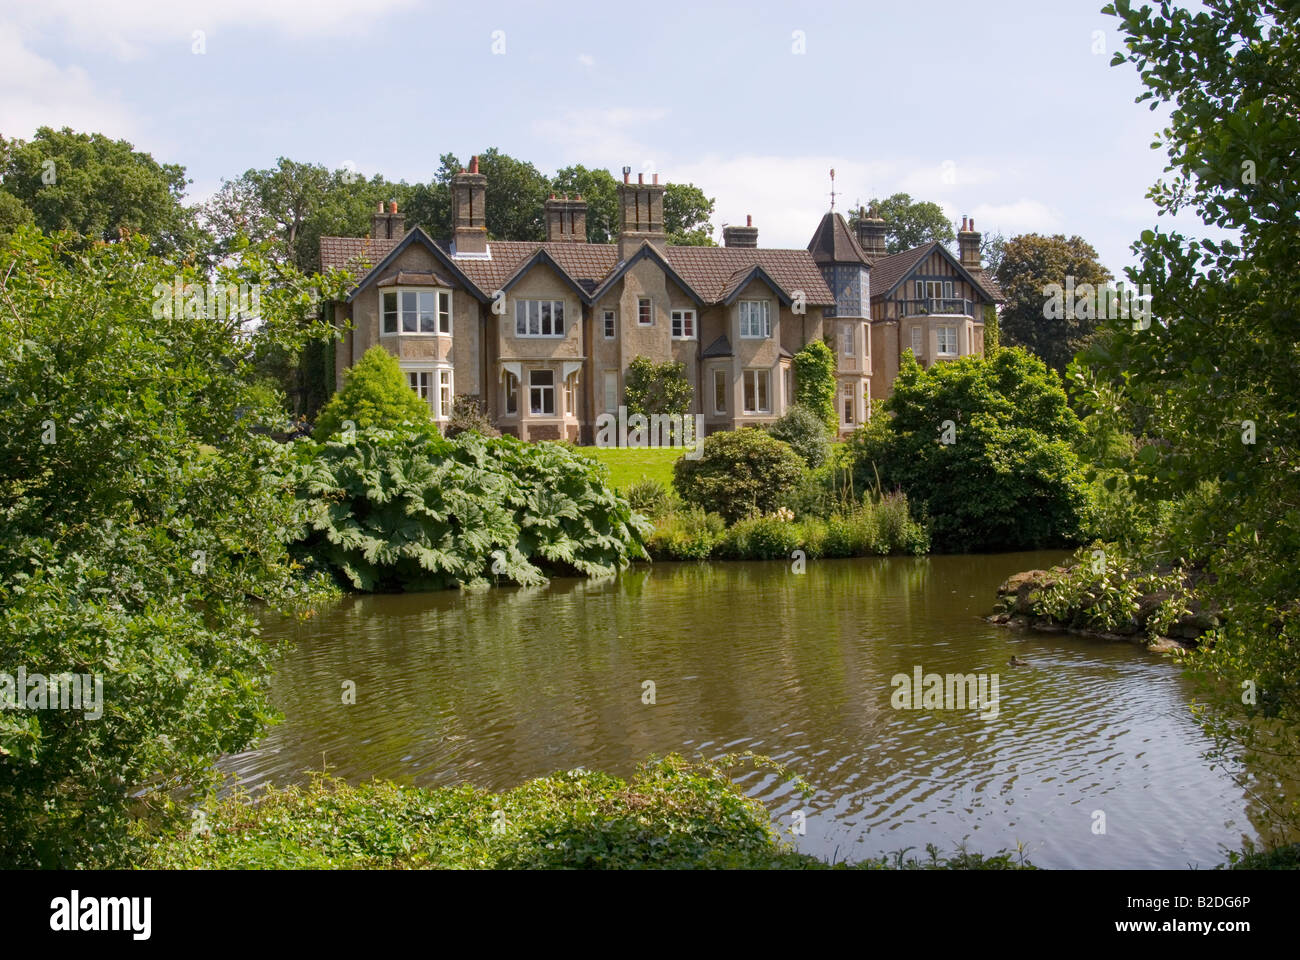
(755, 319)
(416, 311)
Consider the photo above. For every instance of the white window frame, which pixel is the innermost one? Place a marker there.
(762, 399)
(609, 320)
(539, 315)
(940, 331)
(422, 390)
(848, 344)
(611, 391)
(437, 315)
(512, 386)
(848, 404)
(918, 340)
(544, 392)
(571, 395)
(681, 322)
(649, 312)
(751, 323)
(446, 393)
(720, 380)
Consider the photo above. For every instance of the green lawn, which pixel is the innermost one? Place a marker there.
(628, 465)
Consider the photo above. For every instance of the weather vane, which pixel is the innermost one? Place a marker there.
(832, 188)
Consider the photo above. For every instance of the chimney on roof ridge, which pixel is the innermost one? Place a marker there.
(566, 220)
(468, 210)
(871, 234)
(738, 236)
(968, 245)
(641, 214)
(379, 222)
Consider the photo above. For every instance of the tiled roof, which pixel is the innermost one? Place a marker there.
(708, 270)
(834, 242)
(990, 286)
(348, 252)
(405, 278)
(720, 347)
(887, 271)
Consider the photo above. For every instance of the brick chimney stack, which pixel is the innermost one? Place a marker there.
(746, 236)
(968, 245)
(566, 220)
(871, 234)
(469, 210)
(641, 207)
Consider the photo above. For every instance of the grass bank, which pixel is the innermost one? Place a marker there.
(628, 465)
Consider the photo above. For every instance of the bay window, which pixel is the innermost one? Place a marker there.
(541, 392)
(947, 341)
(416, 311)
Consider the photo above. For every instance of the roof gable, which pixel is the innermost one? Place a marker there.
(647, 251)
(889, 273)
(417, 235)
(543, 257)
(743, 278)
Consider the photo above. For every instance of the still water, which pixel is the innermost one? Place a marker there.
(498, 686)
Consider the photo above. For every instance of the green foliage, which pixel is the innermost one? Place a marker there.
(411, 511)
(467, 414)
(992, 330)
(1222, 350)
(600, 191)
(1102, 589)
(686, 215)
(805, 432)
(1009, 480)
(648, 496)
(1031, 262)
(651, 387)
(139, 508)
(814, 374)
(739, 473)
(374, 394)
(673, 814)
(772, 537)
(910, 223)
(97, 188)
(685, 533)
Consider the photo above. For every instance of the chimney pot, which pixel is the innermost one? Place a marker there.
(381, 207)
(749, 220)
(655, 179)
(473, 164)
(640, 178)
(392, 206)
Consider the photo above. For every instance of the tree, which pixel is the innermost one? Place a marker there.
(141, 505)
(910, 223)
(600, 190)
(374, 394)
(98, 188)
(739, 473)
(993, 247)
(651, 387)
(986, 446)
(516, 193)
(686, 215)
(1029, 264)
(805, 432)
(814, 382)
(1211, 380)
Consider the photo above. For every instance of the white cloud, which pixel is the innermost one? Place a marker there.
(127, 28)
(609, 137)
(587, 60)
(1019, 216)
(37, 92)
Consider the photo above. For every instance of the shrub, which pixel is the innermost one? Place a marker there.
(374, 394)
(739, 473)
(1010, 479)
(468, 415)
(657, 387)
(400, 510)
(761, 538)
(685, 534)
(805, 432)
(814, 372)
(648, 496)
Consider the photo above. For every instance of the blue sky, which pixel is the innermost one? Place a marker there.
(998, 110)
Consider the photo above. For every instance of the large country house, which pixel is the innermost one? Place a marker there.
(542, 332)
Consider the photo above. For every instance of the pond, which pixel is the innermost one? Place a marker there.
(497, 686)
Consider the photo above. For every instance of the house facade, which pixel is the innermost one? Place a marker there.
(542, 333)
